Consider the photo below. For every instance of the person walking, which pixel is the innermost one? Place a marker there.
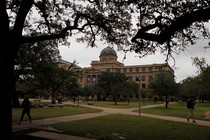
(26, 104)
(191, 107)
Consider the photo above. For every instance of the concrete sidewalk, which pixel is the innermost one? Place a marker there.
(44, 123)
(55, 136)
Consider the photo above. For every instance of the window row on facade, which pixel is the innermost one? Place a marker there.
(96, 78)
(137, 69)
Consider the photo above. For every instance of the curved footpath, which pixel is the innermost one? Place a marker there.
(44, 124)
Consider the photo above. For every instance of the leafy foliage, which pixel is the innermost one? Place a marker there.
(31, 58)
(30, 21)
(111, 21)
(38, 72)
(169, 25)
(197, 86)
(189, 87)
(111, 83)
(164, 85)
(94, 90)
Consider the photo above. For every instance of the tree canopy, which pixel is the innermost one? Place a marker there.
(31, 21)
(197, 86)
(32, 60)
(164, 85)
(170, 25)
(111, 83)
(161, 23)
(62, 19)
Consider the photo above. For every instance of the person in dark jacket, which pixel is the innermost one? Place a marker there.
(26, 104)
(191, 107)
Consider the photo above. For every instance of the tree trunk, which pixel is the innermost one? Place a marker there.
(128, 100)
(77, 100)
(53, 99)
(15, 99)
(6, 73)
(166, 101)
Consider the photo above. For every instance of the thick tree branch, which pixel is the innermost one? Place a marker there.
(63, 33)
(34, 39)
(179, 24)
(21, 16)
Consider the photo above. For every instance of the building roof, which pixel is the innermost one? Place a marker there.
(60, 61)
(108, 51)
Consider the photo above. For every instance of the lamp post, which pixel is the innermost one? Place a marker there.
(138, 78)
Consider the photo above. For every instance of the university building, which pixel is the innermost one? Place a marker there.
(108, 62)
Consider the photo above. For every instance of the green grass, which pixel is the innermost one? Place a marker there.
(48, 112)
(120, 105)
(179, 110)
(116, 127)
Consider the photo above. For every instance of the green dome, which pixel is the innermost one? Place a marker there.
(108, 51)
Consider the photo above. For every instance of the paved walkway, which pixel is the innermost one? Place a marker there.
(45, 123)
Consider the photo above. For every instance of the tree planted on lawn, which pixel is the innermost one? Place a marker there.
(169, 25)
(164, 85)
(111, 82)
(31, 60)
(53, 20)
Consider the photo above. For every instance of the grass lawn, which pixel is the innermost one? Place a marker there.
(126, 127)
(179, 110)
(48, 112)
(120, 105)
(116, 127)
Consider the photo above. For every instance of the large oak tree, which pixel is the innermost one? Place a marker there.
(164, 85)
(53, 20)
(111, 82)
(161, 23)
(170, 25)
(31, 61)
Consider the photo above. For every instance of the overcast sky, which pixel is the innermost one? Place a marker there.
(183, 66)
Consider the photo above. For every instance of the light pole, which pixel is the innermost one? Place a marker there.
(138, 78)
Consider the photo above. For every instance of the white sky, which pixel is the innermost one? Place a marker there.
(183, 62)
(183, 66)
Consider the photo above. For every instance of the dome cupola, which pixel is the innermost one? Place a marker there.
(108, 54)
(108, 51)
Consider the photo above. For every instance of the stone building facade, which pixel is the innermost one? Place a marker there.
(108, 62)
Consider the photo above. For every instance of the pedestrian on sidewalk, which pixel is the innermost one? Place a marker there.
(26, 104)
(191, 107)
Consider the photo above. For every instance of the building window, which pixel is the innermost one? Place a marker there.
(119, 70)
(150, 69)
(108, 70)
(88, 79)
(143, 69)
(130, 78)
(137, 69)
(143, 86)
(124, 70)
(150, 78)
(131, 69)
(93, 79)
(143, 78)
(158, 68)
